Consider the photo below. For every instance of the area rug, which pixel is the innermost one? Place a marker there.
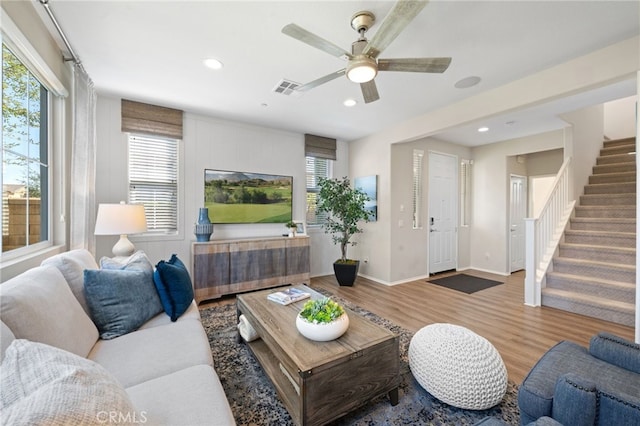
(254, 401)
(465, 283)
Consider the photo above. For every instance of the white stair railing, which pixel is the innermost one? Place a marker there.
(543, 234)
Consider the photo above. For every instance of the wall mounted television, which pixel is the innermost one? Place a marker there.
(242, 197)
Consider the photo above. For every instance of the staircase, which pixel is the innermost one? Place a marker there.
(594, 270)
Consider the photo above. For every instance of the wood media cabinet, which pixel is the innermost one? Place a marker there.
(222, 267)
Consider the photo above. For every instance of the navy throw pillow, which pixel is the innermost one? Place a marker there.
(120, 300)
(174, 286)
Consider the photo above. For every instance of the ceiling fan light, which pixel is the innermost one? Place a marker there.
(362, 69)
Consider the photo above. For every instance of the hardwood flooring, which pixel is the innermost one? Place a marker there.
(520, 333)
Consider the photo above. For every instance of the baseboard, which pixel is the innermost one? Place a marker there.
(489, 271)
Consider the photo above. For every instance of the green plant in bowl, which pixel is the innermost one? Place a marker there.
(319, 311)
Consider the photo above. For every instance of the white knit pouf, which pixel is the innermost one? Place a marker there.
(457, 366)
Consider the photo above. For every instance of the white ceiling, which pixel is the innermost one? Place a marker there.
(152, 51)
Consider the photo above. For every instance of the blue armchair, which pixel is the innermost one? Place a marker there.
(576, 386)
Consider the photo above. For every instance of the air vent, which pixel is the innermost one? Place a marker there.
(287, 88)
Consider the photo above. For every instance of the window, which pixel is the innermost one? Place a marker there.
(25, 159)
(153, 181)
(418, 156)
(465, 192)
(316, 168)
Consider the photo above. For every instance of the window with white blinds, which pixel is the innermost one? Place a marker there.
(418, 156)
(153, 181)
(316, 168)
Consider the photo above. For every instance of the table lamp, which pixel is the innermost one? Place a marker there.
(121, 219)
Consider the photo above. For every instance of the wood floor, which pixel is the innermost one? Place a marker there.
(520, 333)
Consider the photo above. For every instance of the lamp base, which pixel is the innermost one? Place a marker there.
(123, 247)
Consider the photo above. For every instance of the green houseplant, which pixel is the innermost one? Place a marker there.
(322, 320)
(345, 208)
(292, 226)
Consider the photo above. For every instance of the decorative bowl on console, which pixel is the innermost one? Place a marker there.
(322, 320)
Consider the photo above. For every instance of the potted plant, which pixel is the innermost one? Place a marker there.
(346, 208)
(292, 228)
(322, 320)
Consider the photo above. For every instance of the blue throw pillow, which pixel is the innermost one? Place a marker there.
(174, 286)
(120, 300)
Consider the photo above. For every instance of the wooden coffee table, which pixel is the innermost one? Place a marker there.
(321, 381)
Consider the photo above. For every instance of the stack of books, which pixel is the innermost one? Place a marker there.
(290, 295)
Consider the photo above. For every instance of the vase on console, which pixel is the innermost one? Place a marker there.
(203, 228)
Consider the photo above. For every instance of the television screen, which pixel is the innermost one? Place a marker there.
(241, 197)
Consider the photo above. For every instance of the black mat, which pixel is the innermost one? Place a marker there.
(465, 283)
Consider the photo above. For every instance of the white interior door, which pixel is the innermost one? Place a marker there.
(443, 212)
(518, 211)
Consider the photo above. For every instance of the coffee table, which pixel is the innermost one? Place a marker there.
(321, 381)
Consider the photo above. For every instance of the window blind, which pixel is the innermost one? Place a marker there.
(418, 155)
(153, 181)
(319, 147)
(151, 120)
(316, 168)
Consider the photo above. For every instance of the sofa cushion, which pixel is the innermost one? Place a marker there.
(120, 300)
(616, 350)
(193, 396)
(193, 313)
(153, 352)
(38, 305)
(174, 286)
(6, 337)
(46, 385)
(575, 401)
(72, 265)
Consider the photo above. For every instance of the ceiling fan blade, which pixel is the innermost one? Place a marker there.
(369, 91)
(321, 80)
(400, 16)
(299, 33)
(436, 65)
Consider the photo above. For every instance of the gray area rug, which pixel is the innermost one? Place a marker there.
(254, 400)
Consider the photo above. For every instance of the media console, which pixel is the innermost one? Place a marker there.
(223, 267)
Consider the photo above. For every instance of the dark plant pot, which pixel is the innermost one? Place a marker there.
(346, 273)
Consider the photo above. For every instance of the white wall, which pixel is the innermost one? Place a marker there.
(215, 144)
(620, 118)
(490, 217)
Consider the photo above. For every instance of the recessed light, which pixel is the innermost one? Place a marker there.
(214, 64)
(483, 129)
(349, 102)
(465, 83)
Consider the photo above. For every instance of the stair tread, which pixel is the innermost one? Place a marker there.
(600, 233)
(583, 278)
(622, 220)
(584, 262)
(598, 248)
(591, 300)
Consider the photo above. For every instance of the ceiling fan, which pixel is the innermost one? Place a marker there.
(363, 63)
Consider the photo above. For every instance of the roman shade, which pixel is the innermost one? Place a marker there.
(151, 120)
(319, 147)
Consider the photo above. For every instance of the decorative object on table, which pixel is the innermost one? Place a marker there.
(203, 228)
(301, 227)
(288, 296)
(369, 185)
(458, 366)
(246, 330)
(322, 320)
(292, 227)
(346, 208)
(121, 219)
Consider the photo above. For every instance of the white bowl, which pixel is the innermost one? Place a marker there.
(323, 332)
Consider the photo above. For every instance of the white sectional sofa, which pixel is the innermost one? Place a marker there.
(56, 369)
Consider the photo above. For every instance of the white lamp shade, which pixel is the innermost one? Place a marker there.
(362, 69)
(120, 219)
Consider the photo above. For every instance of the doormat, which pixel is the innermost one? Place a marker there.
(465, 283)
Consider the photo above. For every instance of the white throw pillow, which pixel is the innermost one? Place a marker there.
(38, 305)
(72, 265)
(43, 385)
